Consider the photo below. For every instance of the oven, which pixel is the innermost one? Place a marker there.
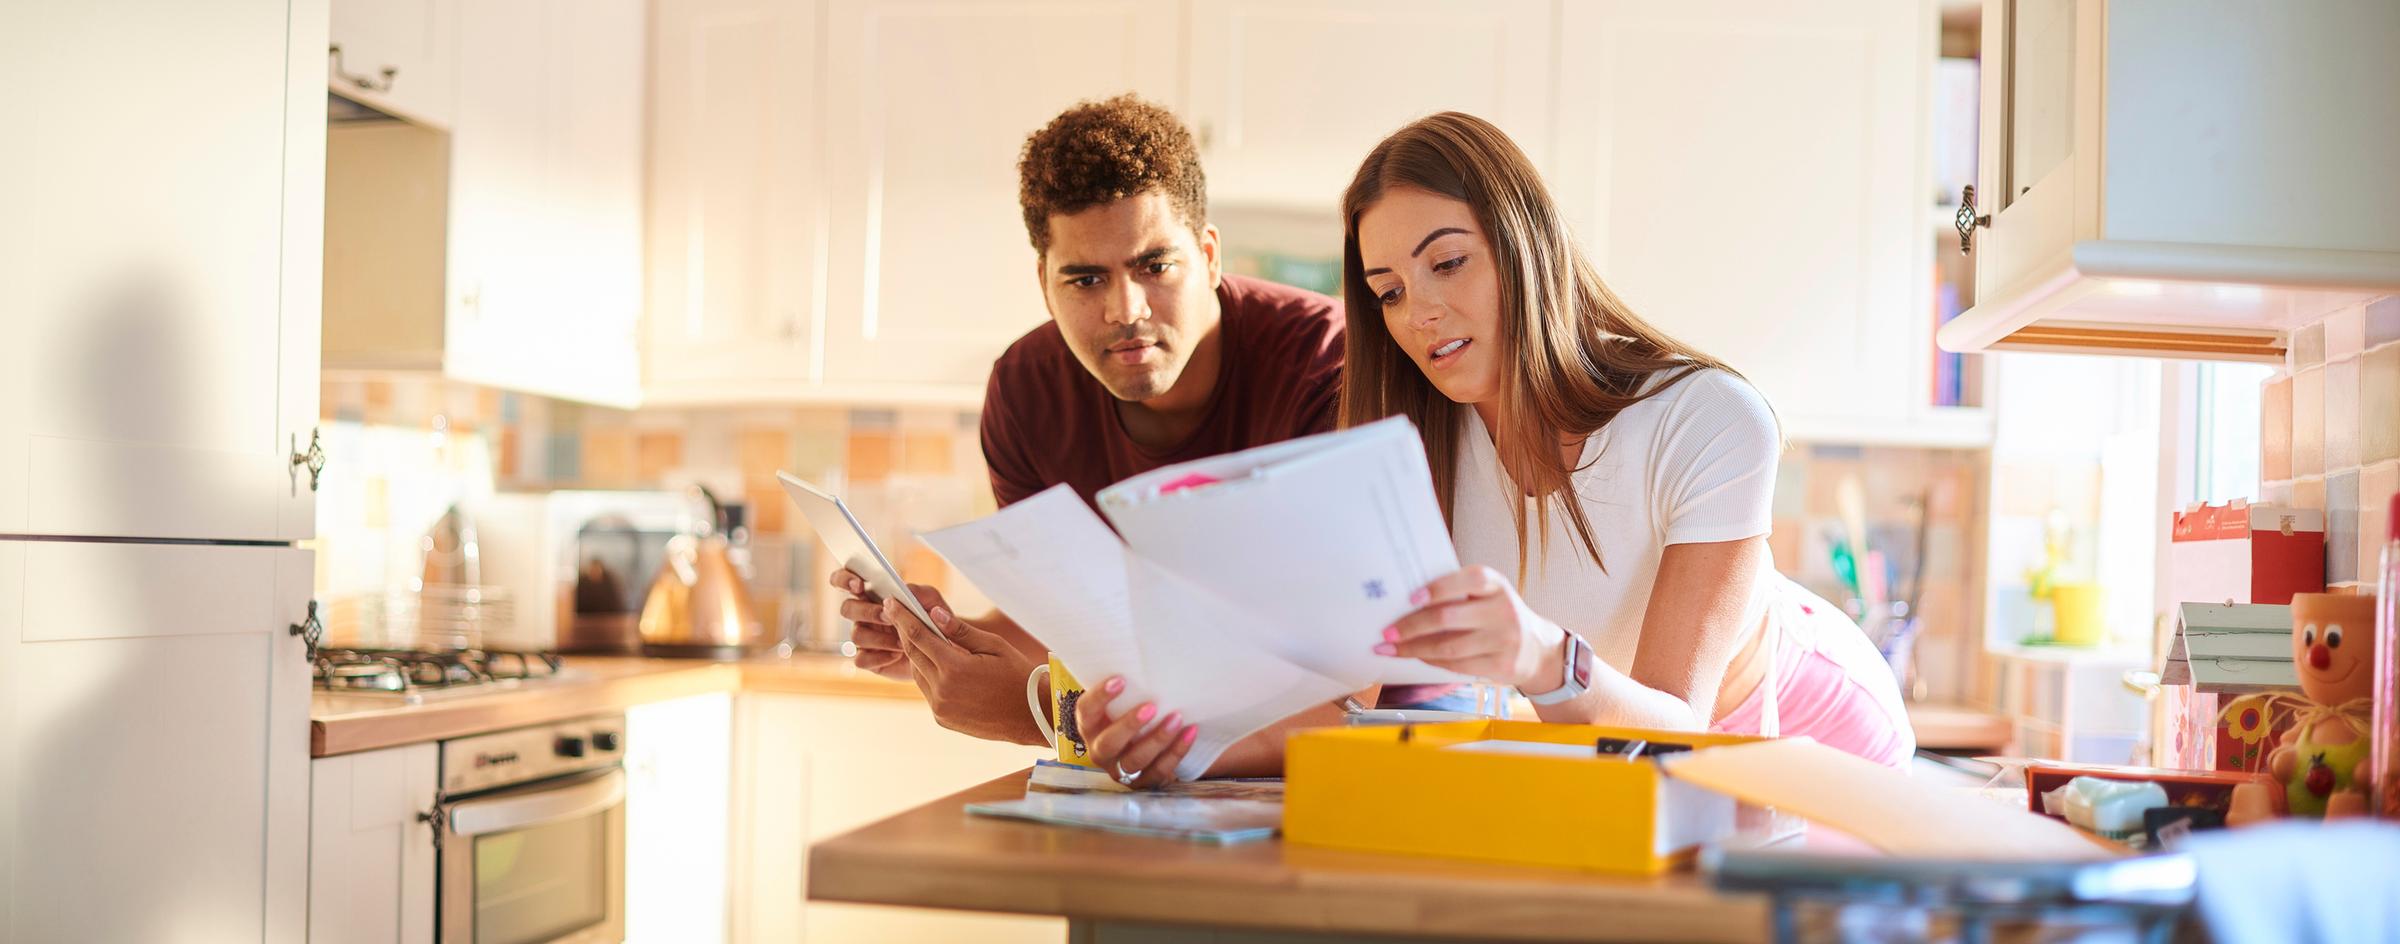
(532, 835)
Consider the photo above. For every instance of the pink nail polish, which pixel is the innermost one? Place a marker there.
(1386, 649)
(1147, 712)
(1191, 734)
(1419, 597)
(1115, 684)
(1391, 634)
(1173, 718)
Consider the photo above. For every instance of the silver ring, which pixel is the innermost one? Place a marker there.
(1126, 778)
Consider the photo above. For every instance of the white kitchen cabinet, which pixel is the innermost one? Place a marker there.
(812, 767)
(926, 106)
(1750, 177)
(158, 268)
(399, 57)
(2181, 179)
(678, 761)
(545, 193)
(156, 736)
(737, 225)
(1287, 96)
(371, 858)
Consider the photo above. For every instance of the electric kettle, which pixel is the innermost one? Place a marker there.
(697, 606)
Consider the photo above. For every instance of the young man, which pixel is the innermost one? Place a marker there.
(1152, 356)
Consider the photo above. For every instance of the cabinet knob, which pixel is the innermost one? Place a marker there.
(1967, 220)
(364, 83)
(311, 630)
(313, 459)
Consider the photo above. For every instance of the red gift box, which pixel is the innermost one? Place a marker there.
(2244, 553)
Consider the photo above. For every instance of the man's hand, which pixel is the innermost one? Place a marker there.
(973, 678)
(878, 644)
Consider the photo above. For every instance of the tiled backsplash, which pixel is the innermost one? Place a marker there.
(417, 444)
(2329, 432)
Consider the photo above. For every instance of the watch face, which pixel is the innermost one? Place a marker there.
(1582, 664)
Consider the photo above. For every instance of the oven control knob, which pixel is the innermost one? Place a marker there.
(570, 747)
(604, 740)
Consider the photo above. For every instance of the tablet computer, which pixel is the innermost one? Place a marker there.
(840, 531)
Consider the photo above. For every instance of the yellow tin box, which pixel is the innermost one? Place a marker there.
(1420, 789)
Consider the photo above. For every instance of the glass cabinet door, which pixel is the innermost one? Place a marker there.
(2040, 127)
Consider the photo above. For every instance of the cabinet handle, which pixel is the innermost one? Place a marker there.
(433, 818)
(311, 631)
(1967, 220)
(363, 82)
(313, 460)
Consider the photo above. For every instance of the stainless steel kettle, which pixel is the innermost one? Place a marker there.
(697, 606)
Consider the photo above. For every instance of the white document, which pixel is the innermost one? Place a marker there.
(1237, 603)
(1326, 535)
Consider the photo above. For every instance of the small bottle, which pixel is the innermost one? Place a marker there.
(2385, 769)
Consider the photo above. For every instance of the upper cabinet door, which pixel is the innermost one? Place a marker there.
(736, 224)
(1747, 175)
(931, 102)
(1288, 95)
(157, 269)
(545, 199)
(399, 56)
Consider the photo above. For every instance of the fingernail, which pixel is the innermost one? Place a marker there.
(1391, 634)
(941, 617)
(1173, 718)
(1419, 597)
(1386, 649)
(1116, 683)
(1144, 715)
(1191, 733)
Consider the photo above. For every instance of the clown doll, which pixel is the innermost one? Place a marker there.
(2321, 767)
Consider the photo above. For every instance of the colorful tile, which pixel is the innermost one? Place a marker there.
(2341, 528)
(2308, 346)
(2376, 486)
(2308, 422)
(2275, 430)
(759, 453)
(607, 457)
(871, 454)
(2345, 333)
(2383, 320)
(925, 452)
(656, 452)
(2379, 405)
(2341, 415)
(2309, 494)
(769, 507)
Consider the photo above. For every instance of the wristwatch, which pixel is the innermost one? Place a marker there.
(1579, 673)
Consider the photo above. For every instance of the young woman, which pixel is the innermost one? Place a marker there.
(1608, 487)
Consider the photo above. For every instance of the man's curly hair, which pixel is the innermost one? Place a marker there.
(1098, 152)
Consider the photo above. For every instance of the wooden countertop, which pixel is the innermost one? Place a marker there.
(341, 724)
(936, 856)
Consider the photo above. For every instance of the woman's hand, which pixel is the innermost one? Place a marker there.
(1472, 622)
(1128, 746)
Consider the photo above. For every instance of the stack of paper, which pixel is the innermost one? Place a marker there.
(1246, 588)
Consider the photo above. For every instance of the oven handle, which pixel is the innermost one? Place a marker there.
(535, 808)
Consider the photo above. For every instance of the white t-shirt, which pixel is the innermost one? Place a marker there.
(1694, 464)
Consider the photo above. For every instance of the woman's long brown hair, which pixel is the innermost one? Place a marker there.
(1579, 355)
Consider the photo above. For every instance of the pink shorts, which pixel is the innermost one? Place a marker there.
(1829, 683)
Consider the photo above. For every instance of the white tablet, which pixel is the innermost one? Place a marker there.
(840, 531)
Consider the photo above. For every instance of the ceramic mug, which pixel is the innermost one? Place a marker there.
(1056, 715)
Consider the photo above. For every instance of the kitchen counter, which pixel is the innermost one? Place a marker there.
(342, 724)
(1125, 888)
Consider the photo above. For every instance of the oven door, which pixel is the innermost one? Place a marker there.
(544, 862)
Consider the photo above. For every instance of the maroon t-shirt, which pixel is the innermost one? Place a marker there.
(1047, 420)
